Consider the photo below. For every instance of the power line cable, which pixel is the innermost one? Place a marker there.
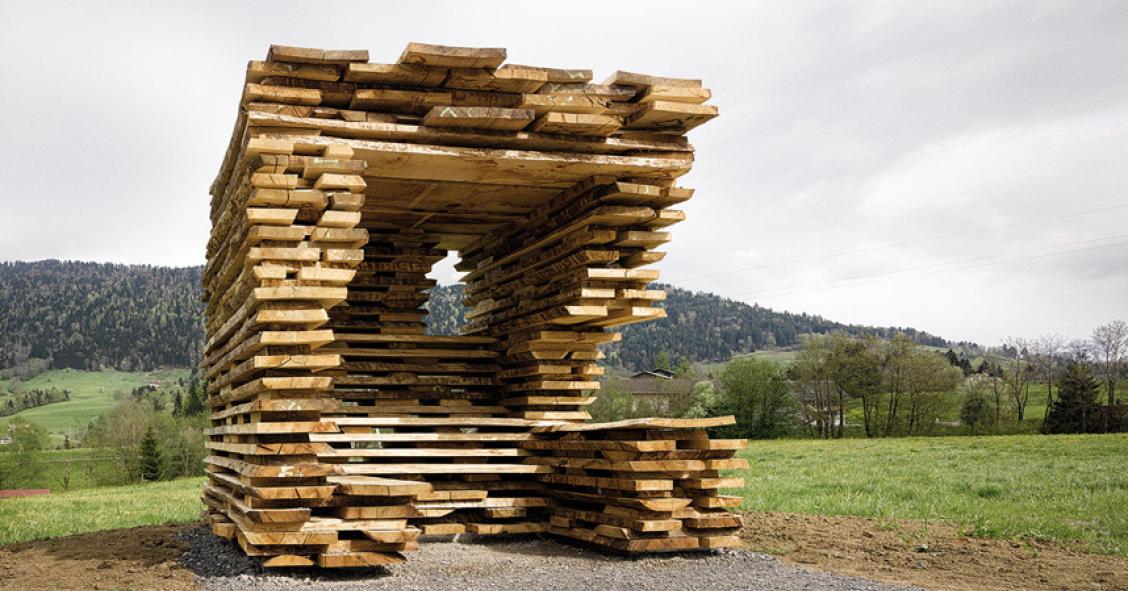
(881, 277)
(898, 244)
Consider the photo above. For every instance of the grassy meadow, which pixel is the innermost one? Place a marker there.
(1062, 487)
(1068, 488)
(92, 394)
(73, 469)
(96, 509)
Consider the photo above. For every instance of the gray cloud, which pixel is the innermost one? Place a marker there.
(845, 127)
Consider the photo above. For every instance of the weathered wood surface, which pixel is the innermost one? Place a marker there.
(341, 431)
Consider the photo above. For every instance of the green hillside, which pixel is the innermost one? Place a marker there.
(98, 316)
(92, 394)
(136, 318)
(701, 326)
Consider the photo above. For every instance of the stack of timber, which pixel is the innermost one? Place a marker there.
(342, 431)
(644, 485)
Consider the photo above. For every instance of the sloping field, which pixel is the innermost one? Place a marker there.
(92, 394)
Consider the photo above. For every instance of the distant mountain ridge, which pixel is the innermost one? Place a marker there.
(98, 315)
(701, 326)
(138, 317)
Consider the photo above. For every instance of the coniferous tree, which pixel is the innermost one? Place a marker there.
(1076, 409)
(150, 468)
(194, 403)
(975, 410)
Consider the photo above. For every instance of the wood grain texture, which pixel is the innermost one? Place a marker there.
(341, 431)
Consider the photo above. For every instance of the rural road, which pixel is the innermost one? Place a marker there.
(530, 564)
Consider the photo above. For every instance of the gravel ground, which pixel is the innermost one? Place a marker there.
(526, 564)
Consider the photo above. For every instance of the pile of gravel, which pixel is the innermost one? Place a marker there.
(526, 564)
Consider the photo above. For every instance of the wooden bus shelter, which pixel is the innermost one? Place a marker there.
(342, 433)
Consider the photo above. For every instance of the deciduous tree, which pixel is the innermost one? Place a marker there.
(855, 368)
(756, 391)
(1047, 363)
(1019, 375)
(816, 386)
(1110, 347)
(20, 461)
(895, 368)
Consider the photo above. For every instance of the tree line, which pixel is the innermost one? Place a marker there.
(706, 327)
(699, 327)
(137, 318)
(842, 385)
(156, 433)
(19, 399)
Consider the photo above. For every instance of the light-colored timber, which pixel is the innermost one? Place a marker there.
(343, 432)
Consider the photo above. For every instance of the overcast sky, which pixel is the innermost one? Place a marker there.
(961, 168)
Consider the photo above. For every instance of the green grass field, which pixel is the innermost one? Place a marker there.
(1068, 487)
(92, 394)
(73, 469)
(1071, 488)
(95, 509)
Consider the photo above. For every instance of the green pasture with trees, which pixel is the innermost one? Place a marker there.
(153, 431)
(839, 385)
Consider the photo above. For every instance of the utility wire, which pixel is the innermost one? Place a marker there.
(882, 277)
(899, 244)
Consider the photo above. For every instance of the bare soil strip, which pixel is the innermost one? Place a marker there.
(930, 556)
(933, 556)
(135, 558)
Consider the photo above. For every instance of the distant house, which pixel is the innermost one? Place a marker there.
(656, 387)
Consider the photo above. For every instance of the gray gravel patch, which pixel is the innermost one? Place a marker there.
(526, 564)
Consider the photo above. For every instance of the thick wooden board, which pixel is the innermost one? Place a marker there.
(452, 57)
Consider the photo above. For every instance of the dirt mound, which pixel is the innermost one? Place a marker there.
(136, 558)
(929, 555)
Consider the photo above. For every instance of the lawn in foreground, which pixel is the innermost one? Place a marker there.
(96, 509)
(1065, 487)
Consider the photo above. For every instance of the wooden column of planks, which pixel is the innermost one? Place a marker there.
(342, 431)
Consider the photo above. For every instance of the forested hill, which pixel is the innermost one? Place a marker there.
(91, 316)
(701, 326)
(94, 315)
(707, 327)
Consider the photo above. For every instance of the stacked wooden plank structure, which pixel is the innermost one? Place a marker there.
(341, 431)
